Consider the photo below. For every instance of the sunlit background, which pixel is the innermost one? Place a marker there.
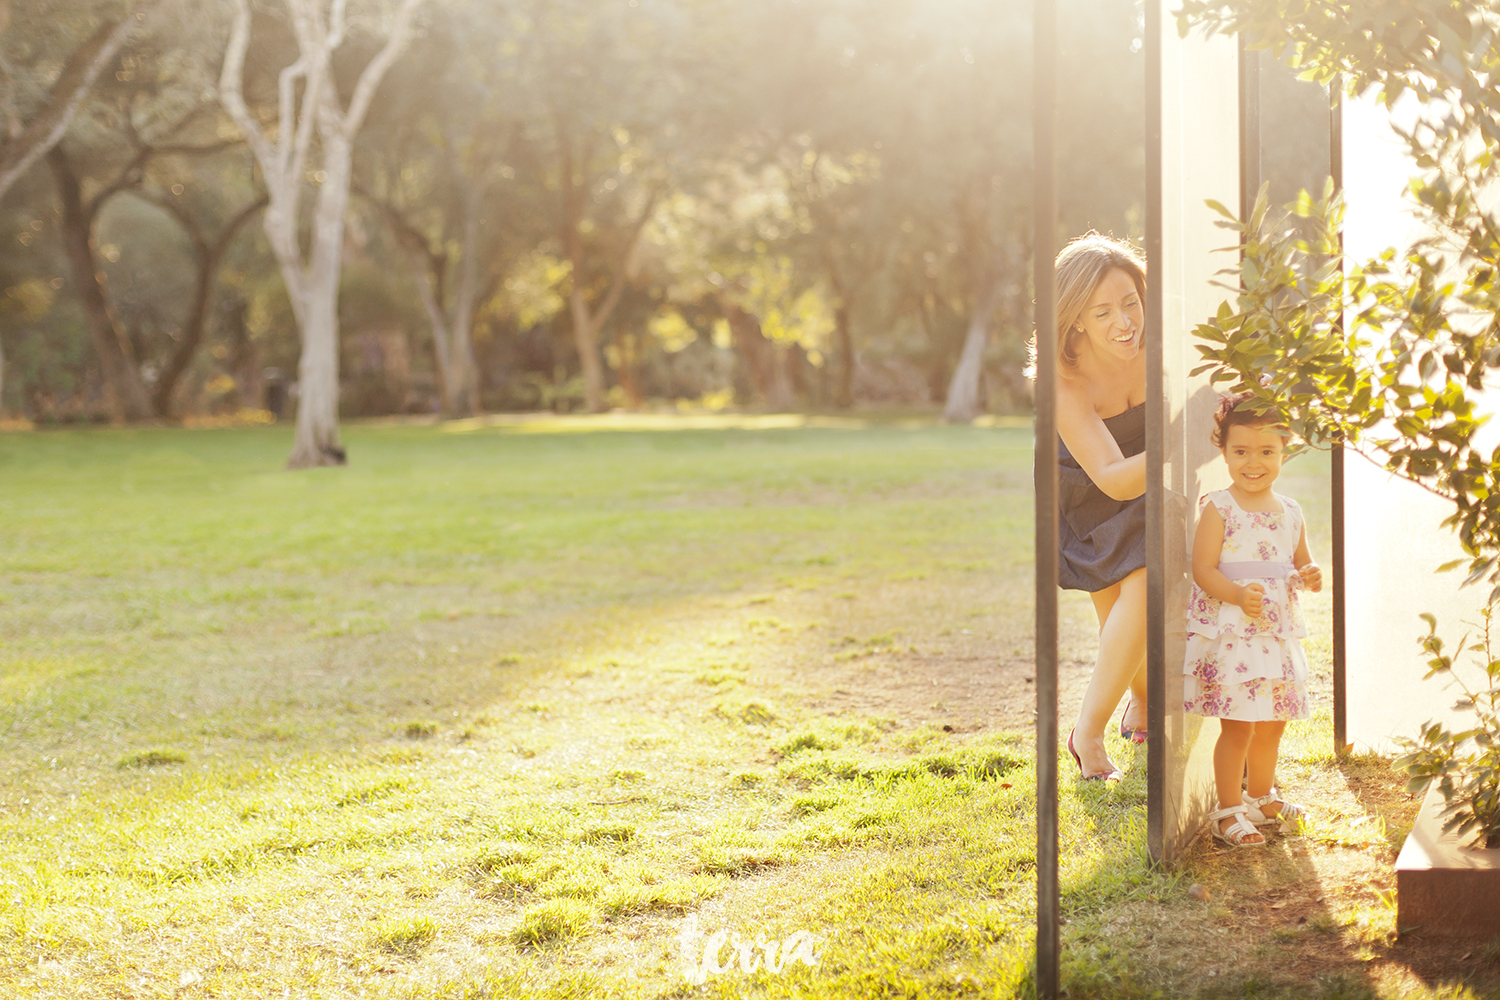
(792, 205)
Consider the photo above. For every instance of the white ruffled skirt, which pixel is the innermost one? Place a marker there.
(1259, 679)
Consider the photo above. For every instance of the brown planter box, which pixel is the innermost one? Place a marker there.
(1444, 889)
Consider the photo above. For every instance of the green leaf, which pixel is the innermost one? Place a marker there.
(1219, 207)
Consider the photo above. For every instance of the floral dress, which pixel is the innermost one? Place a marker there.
(1237, 667)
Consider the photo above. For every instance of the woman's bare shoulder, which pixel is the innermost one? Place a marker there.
(1075, 397)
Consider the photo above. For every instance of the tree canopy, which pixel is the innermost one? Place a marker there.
(564, 204)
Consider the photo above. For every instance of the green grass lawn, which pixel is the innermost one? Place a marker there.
(514, 710)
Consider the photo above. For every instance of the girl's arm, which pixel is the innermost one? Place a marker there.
(1208, 546)
(1312, 576)
(1094, 447)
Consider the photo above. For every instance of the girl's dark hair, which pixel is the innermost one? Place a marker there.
(1234, 411)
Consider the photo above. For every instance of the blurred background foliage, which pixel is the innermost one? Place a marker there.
(783, 204)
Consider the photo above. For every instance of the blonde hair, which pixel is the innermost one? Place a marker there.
(1078, 270)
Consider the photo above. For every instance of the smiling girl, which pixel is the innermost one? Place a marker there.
(1244, 663)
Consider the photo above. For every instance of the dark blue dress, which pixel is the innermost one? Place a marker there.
(1101, 540)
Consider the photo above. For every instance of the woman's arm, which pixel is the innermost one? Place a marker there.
(1095, 448)
(1208, 546)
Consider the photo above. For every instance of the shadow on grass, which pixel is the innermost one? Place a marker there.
(1438, 963)
(1273, 921)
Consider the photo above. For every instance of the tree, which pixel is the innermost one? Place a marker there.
(149, 97)
(434, 261)
(209, 247)
(125, 390)
(621, 107)
(435, 155)
(31, 133)
(587, 143)
(288, 160)
(1385, 355)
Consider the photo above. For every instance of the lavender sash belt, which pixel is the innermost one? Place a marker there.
(1256, 570)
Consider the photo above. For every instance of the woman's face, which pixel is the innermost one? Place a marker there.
(1114, 321)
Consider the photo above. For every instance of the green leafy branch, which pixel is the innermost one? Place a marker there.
(1387, 355)
(1383, 355)
(1445, 51)
(1465, 764)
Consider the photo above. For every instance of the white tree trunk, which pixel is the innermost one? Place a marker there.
(317, 440)
(963, 390)
(312, 285)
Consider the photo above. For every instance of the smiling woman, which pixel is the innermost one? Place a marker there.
(1101, 395)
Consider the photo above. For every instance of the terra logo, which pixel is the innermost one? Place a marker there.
(724, 951)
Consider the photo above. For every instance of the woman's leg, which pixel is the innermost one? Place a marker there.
(1264, 748)
(1235, 738)
(1135, 712)
(1122, 648)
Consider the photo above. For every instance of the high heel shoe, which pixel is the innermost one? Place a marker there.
(1133, 735)
(1113, 775)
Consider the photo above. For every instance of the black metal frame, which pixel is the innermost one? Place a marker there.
(1044, 251)
(1156, 424)
(1336, 470)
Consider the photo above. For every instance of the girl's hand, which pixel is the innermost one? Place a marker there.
(1252, 599)
(1312, 577)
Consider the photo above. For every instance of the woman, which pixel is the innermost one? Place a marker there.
(1101, 418)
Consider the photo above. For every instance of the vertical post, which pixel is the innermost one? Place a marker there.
(1044, 251)
(1340, 646)
(1156, 416)
(1249, 129)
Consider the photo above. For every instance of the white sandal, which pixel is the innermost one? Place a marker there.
(1290, 816)
(1240, 829)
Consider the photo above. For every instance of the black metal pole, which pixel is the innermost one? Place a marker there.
(1340, 648)
(1156, 417)
(1043, 244)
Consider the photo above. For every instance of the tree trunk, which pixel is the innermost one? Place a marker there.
(843, 393)
(207, 259)
(244, 364)
(755, 350)
(464, 370)
(780, 398)
(313, 290)
(317, 438)
(586, 338)
(192, 336)
(963, 391)
(125, 392)
(628, 375)
(452, 339)
(427, 268)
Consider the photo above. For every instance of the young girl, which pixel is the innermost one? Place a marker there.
(1244, 663)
